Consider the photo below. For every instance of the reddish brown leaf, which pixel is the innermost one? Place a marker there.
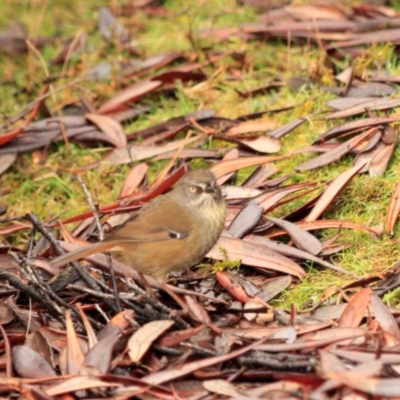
(77, 383)
(354, 126)
(133, 179)
(262, 144)
(250, 126)
(75, 356)
(393, 210)
(333, 190)
(174, 338)
(131, 94)
(222, 168)
(355, 309)
(231, 285)
(7, 137)
(37, 342)
(176, 75)
(230, 155)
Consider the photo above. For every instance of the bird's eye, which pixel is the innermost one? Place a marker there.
(193, 189)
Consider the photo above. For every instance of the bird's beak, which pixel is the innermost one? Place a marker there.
(210, 189)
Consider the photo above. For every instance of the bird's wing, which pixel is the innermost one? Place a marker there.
(140, 233)
(154, 224)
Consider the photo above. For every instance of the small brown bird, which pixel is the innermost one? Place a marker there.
(171, 233)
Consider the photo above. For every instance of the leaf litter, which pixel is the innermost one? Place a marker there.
(208, 335)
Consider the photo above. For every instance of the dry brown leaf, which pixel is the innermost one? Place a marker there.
(143, 338)
(75, 355)
(77, 383)
(250, 126)
(112, 128)
(253, 255)
(333, 190)
(29, 364)
(132, 93)
(374, 105)
(225, 167)
(133, 179)
(355, 309)
(393, 210)
(336, 153)
(303, 240)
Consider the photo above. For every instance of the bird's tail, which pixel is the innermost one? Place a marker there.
(81, 252)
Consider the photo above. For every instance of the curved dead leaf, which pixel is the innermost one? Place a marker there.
(379, 163)
(290, 251)
(232, 286)
(354, 126)
(336, 153)
(129, 95)
(224, 167)
(386, 320)
(143, 338)
(246, 220)
(250, 126)
(393, 210)
(133, 179)
(98, 358)
(75, 355)
(130, 154)
(303, 240)
(38, 342)
(254, 256)
(230, 155)
(337, 186)
(77, 383)
(355, 309)
(328, 224)
(30, 364)
(262, 144)
(375, 104)
(109, 126)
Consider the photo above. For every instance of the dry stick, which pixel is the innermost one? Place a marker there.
(286, 362)
(155, 303)
(143, 314)
(46, 294)
(95, 212)
(83, 274)
(20, 285)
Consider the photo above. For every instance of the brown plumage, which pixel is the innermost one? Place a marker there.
(171, 233)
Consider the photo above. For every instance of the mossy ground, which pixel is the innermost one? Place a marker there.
(51, 190)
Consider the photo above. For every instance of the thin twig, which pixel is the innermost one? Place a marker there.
(95, 211)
